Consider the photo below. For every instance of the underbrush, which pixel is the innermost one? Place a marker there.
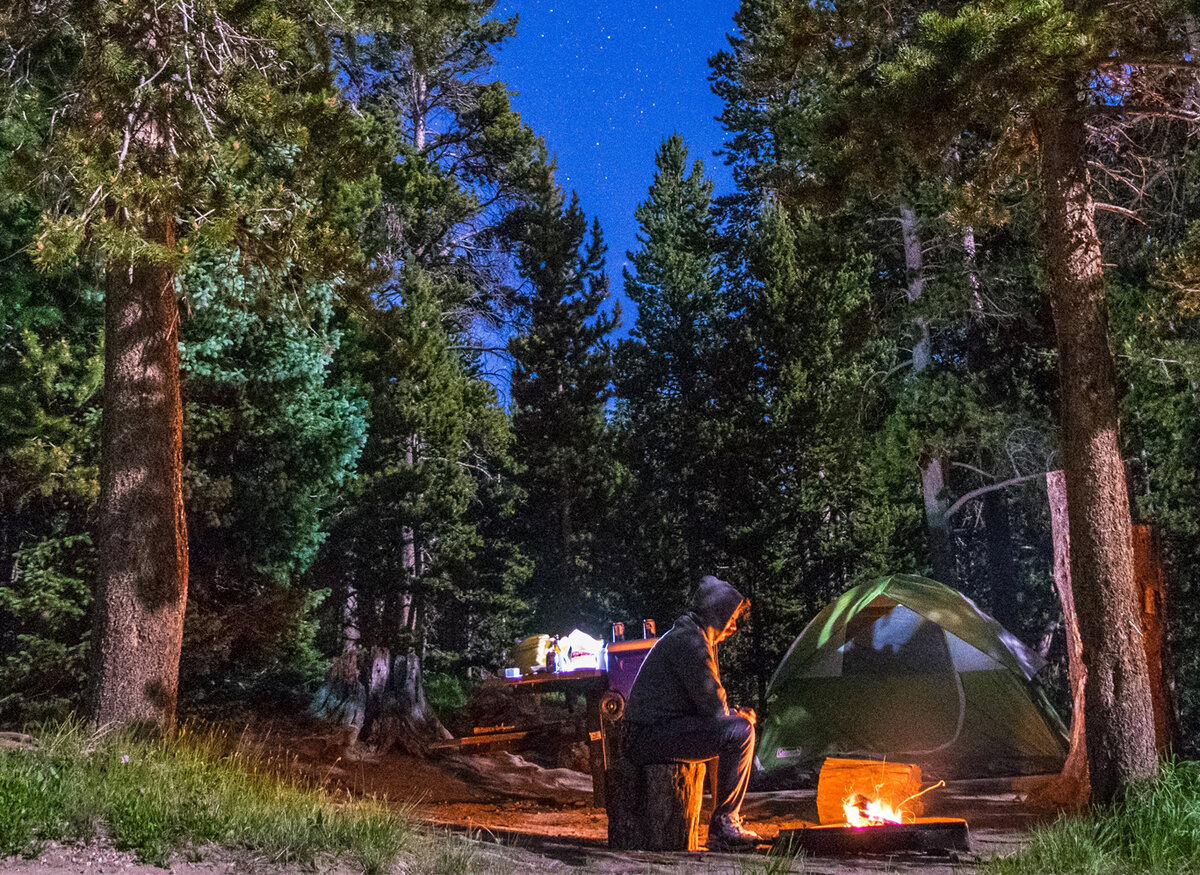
(160, 797)
(1154, 831)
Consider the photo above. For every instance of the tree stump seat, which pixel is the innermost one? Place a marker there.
(654, 807)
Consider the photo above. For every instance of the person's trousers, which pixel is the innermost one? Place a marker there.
(730, 740)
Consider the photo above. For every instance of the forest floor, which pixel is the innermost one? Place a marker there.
(500, 814)
(546, 821)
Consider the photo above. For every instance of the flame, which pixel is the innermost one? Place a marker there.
(861, 811)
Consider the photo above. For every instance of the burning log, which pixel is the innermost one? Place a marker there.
(868, 792)
(871, 807)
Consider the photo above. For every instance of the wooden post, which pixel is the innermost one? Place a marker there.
(597, 754)
(1072, 787)
(1151, 582)
(654, 807)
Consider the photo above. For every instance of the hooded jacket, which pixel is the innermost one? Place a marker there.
(679, 677)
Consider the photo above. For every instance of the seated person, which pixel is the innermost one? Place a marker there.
(678, 712)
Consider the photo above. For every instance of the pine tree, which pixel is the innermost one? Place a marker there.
(270, 440)
(560, 387)
(904, 354)
(911, 86)
(464, 157)
(408, 548)
(667, 374)
(406, 543)
(1066, 66)
(176, 124)
(51, 369)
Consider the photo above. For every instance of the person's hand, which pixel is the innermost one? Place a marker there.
(747, 713)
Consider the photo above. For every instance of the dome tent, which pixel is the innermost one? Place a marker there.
(909, 669)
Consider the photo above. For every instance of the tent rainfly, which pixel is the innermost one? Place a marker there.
(905, 668)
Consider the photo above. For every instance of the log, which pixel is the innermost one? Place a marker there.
(892, 783)
(654, 807)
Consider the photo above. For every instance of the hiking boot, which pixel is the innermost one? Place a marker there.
(726, 833)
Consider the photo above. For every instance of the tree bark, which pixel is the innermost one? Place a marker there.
(1071, 788)
(1120, 731)
(933, 477)
(142, 539)
(342, 699)
(1151, 582)
(396, 711)
(651, 808)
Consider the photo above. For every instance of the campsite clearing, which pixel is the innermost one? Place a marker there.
(544, 817)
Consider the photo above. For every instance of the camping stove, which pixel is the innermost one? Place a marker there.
(925, 834)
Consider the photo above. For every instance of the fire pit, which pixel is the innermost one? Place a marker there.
(872, 807)
(927, 835)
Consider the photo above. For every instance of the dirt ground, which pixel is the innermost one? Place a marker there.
(508, 815)
(546, 816)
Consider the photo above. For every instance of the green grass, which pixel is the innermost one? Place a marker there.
(470, 854)
(778, 861)
(159, 797)
(1155, 831)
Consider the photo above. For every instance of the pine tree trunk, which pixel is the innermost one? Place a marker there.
(342, 699)
(396, 712)
(933, 477)
(142, 539)
(1120, 730)
(1000, 562)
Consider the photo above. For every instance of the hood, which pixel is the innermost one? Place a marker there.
(714, 602)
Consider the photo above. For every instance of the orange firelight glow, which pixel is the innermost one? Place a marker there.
(861, 811)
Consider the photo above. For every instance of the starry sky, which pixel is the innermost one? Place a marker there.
(604, 82)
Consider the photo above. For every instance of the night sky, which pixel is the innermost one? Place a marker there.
(604, 82)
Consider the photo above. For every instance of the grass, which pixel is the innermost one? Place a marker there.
(470, 854)
(782, 861)
(161, 797)
(1154, 831)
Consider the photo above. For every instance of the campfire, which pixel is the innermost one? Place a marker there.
(875, 810)
(868, 806)
(861, 811)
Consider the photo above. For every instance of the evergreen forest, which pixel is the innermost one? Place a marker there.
(313, 376)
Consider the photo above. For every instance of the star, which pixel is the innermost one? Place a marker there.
(602, 81)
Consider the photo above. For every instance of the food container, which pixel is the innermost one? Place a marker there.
(531, 653)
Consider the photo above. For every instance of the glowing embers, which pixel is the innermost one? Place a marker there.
(868, 792)
(874, 807)
(861, 811)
